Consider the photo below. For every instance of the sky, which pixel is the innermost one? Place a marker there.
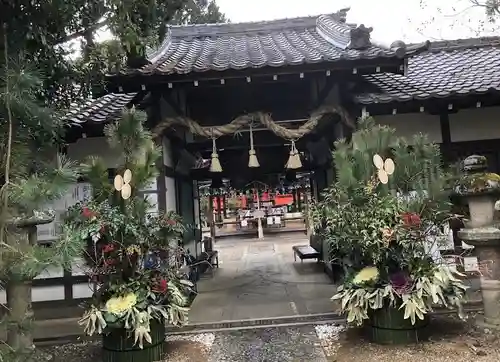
(391, 20)
(409, 20)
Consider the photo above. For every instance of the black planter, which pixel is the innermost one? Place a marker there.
(334, 271)
(118, 345)
(388, 326)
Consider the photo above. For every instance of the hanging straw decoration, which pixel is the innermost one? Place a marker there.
(294, 161)
(252, 159)
(215, 164)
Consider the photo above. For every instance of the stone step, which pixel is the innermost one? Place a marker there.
(57, 331)
(295, 320)
(259, 322)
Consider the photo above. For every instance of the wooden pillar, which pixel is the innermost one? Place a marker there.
(312, 186)
(306, 213)
(299, 198)
(224, 206)
(219, 208)
(210, 217)
(444, 121)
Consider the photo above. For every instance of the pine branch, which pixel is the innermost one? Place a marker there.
(35, 191)
(96, 174)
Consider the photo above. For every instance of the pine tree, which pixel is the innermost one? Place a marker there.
(33, 175)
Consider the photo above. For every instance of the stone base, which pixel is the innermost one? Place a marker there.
(483, 323)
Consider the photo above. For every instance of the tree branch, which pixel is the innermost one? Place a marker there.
(493, 6)
(81, 33)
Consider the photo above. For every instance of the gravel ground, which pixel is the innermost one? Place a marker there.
(452, 340)
(292, 344)
(257, 345)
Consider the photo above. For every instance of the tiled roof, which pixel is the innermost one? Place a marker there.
(103, 109)
(462, 67)
(276, 43)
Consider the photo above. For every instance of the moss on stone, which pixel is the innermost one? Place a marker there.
(479, 182)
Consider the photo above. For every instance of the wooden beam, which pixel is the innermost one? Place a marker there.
(136, 82)
(435, 105)
(261, 139)
(444, 121)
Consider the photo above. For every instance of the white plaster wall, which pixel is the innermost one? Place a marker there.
(94, 146)
(409, 124)
(168, 160)
(171, 199)
(150, 192)
(475, 124)
(56, 292)
(78, 192)
(197, 213)
(465, 125)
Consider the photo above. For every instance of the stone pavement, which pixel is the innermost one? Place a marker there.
(259, 279)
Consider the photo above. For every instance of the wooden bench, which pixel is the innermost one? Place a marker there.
(210, 257)
(305, 252)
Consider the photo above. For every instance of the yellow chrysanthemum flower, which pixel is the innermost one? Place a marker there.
(368, 274)
(133, 249)
(120, 305)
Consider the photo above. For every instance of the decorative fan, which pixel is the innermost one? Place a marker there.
(122, 184)
(384, 168)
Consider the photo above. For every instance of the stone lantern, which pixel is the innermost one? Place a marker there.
(481, 190)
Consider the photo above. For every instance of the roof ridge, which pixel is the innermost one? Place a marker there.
(464, 43)
(339, 15)
(192, 31)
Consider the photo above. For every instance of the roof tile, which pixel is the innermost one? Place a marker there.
(463, 67)
(219, 47)
(103, 109)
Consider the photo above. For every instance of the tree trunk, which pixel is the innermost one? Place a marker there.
(19, 331)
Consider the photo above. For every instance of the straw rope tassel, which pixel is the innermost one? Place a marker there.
(294, 161)
(215, 164)
(252, 159)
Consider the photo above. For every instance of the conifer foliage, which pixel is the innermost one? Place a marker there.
(383, 226)
(130, 249)
(32, 176)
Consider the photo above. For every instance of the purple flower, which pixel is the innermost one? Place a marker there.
(400, 281)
